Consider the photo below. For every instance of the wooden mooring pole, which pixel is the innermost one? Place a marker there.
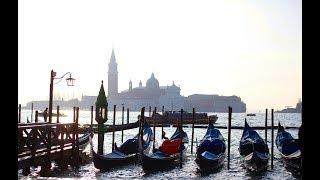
(192, 135)
(154, 128)
(100, 138)
(122, 123)
(266, 126)
(229, 133)
(58, 115)
(181, 111)
(141, 123)
(300, 137)
(272, 135)
(45, 168)
(127, 115)
(19, 118)
(74, 114)
(73, 162)
(77, 158)
(162, 123)
(36, 117)
(91, 123)
(31, 112)
(62, 163)
(149, 111)
(114, 123)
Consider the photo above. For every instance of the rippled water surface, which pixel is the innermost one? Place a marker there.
(189, 169)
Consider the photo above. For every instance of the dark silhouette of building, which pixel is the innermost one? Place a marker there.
(169, 96)
(113, 76)
(152, 94)
(297, 109)
(38, 105)
(214, 103)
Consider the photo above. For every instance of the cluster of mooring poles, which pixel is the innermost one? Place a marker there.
(266, 128)
(101, 119)
(102, 116)
(61, 143)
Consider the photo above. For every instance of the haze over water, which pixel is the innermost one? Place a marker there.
(252, 49)
(189, 169)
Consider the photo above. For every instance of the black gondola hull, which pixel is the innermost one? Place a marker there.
(253, 150)
(255, 162)
(103, 163)
(157, 160)
(206, 164)
(154, 163)
(293, 163)
(289, 149)
(85, 139)
(123, 155)
(211, 151)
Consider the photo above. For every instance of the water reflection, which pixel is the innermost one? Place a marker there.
(189, 169)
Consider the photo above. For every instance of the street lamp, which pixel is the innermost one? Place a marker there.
(70, 82)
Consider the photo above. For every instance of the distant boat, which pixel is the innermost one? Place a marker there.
(172, 117)
(251, 114)
(53, 114)
(253, 150)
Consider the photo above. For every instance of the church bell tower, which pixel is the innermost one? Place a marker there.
(113, 76)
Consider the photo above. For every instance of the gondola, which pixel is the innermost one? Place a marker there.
(124, 154)
(253, 150)
(168, 154)
(85, 138)
(211, 151)
(288, 148)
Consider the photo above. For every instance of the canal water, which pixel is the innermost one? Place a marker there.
(189, 169)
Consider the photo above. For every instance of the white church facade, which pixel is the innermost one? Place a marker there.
(155, 95)
(135, 98)
(152, 94)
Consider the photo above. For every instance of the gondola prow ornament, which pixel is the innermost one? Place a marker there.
(101, 116)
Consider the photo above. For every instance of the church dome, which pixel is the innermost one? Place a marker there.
(152, 82)
(174, 87)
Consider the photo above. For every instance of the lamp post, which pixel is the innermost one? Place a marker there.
(70, 82)
(101, 116)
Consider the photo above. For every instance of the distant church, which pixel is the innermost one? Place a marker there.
(155, 95)
(150, 95)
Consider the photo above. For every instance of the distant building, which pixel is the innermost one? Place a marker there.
(214, 103)
(155, 95)
(299, 106)
(152, 94)
(113, 76)
(41, 105)
(297, 109)
(87, 101)
(171, 99)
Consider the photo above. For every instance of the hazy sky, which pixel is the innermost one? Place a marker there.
(252, 49)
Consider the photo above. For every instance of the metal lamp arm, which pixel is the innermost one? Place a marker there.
(61, 77)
